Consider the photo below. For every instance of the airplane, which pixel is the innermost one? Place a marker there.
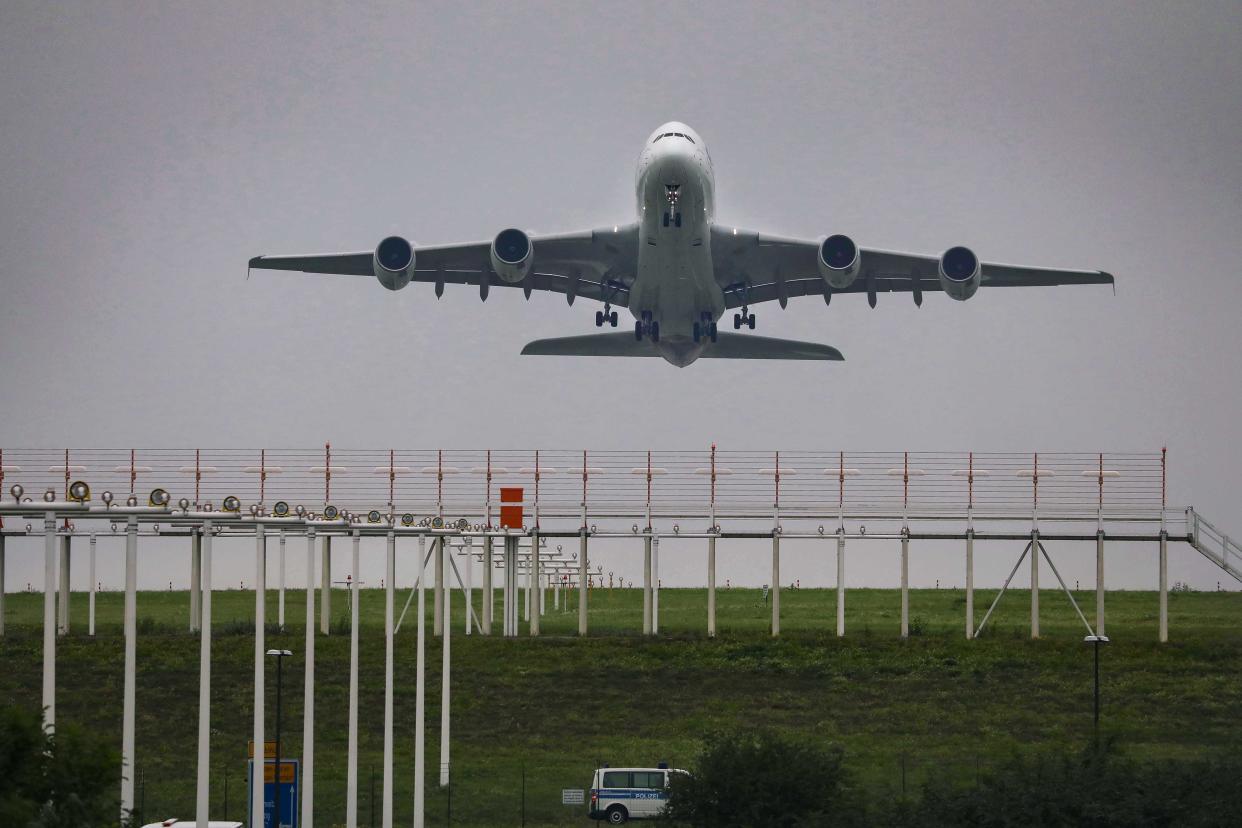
(677, 270)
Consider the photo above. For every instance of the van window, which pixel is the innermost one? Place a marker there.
(617, 779)
(648, 779)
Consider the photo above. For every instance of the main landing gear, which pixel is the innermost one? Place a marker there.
(705, 327)
(607, 315)
(743, 318)
(648, 327)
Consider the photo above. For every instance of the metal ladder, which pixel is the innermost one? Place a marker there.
(1214, 544)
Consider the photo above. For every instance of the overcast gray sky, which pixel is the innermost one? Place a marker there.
(149, 150)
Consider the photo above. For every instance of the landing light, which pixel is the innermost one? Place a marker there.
(158, 497)
(79, 492)
(231, 504)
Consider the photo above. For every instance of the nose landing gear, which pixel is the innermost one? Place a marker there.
(705, 327)
(606, 315)
(648, 327)
(743, 318)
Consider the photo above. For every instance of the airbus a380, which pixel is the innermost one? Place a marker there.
(677, 270)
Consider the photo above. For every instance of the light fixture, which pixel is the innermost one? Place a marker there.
(183, 504)
(131, 501)
(79, 492)
(49, 496)
(331, 513)
(437, 522)
(300, 509)
(158, 497)
(231, 504)
(281, 509)
(17, 491)
(106, 497)
(373, 516)
(462, 524)
(254, 510)
(407, 519)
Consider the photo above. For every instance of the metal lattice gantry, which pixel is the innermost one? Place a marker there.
(443, 507)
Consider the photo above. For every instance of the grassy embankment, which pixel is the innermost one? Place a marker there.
(558, 705)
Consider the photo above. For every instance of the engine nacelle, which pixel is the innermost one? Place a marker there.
(838, 261)
(959, 273)
(393, 262)
(512, 254)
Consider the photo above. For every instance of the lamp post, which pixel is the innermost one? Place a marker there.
(280, 660)
(1095, 641)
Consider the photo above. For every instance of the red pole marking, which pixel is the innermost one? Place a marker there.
(327, 473)
(488, 497)
(392, 477)
(584, 486)
(198, 475)
(841, 483)
(133, 475)
(648, 482)
(970, 482)
(1164, 467)
(713, 474)
(1, 482)
(1101, 506)
(905, 480)
(262, 473)
(536, 488)
(776, 478)
(66, 482)
(440, 481)
(1035, 481)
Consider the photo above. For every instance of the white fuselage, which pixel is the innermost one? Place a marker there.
(675, 281)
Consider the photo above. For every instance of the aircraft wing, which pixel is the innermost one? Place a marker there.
(597, 264)
(727, 346)
(755, 267)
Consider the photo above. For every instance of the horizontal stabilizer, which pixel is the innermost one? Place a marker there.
(726, 346)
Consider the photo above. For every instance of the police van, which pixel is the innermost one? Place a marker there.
(621, 794)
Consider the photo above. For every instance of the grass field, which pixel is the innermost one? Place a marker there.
(558, 705)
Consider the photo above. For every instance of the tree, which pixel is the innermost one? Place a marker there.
(65, 779)
(762, 779)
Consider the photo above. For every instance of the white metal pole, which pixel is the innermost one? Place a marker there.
(325, 585)
(536, 586)
(390, 578)
(1164, 586)
(420, 693)
(840, 583)
(776, 584)
(202, 556)
(131, 671)
(444, 679)
(259, 766)
(2, 581)
(280, 596)
(905, 584)
(647, 595)
(351, 766)
(469, 589)
(655, 585)
(437, 625)
(556, 591)
(90, 609)
(49, 621)
(196, 578)
(1099, 582)
(1034, 585)
(582, 582)
(970, 584)
(308, 692)
(489, 596)
(62, 621)
(711, 586)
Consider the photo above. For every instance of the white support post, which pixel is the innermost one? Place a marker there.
(325, 585)
(556, 591)
(437, 615)
(62, 619)
(420, 693)
(647, 596)
(1164, 586)
(2, 581)
(308, 691)
(970, 584)
(1099, 582)
(655, 585)
(469, 589)
(536, 585)
(90, 609)
(488, 597)
(351, 760)
(131, 668)
(260, 649)
(196, 578)
(444, 681)
(905, 583)
(711, 586)
(390, 576)
(583, 566)
(840, 583)
(280, 576)
(49, 622)
(202, 557)
(776, 583)
(1034, 584)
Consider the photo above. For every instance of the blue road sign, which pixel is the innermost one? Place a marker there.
(288, 792)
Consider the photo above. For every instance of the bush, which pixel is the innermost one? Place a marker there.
(763, 780)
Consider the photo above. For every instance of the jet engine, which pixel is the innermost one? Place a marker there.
(959, 273)
(512, 253)
(838, 261)
(393, 262)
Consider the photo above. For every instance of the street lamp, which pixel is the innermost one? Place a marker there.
(280, 660)
(1096, 641)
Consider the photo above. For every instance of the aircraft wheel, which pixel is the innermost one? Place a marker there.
(612, 319)
(698, 332)
(677, 220)
(737, 321)
(599, 319)
(655, 331)
(666, 219)
(751, 322)
(712, 333)
(638, 331)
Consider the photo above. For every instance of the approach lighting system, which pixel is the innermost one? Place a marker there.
(158, 497)
(373, 516)
(407, 519)
(437, 522)
(79, 492)
(281, 509)
(331, 513)
(231, 504)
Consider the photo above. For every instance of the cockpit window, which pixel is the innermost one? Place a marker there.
(672, 135)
